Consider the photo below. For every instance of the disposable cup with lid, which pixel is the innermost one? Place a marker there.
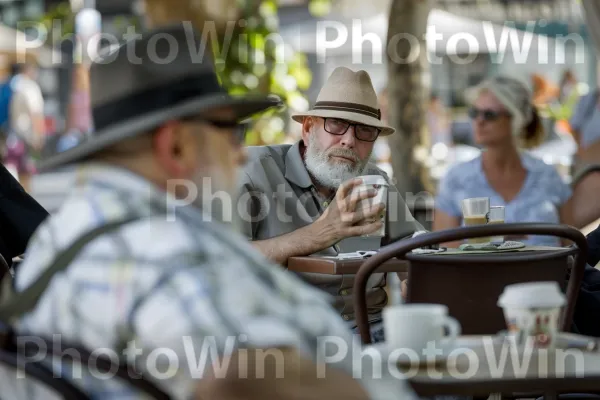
(532, 295)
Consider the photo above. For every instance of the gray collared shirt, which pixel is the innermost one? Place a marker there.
(278, 197)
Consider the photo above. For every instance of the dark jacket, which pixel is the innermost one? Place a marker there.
(20, 216)
(593, 240)
(587, 309)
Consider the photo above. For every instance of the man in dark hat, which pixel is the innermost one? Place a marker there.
(172, 285)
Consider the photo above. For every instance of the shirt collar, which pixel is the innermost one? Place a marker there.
(295, 169)
(90, 179)
(115, 177)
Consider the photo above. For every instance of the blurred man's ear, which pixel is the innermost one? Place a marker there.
(307, 126)
(175, 149)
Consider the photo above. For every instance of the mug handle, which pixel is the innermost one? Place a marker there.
(453, 326)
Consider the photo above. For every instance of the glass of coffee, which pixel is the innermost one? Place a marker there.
(475, 212)
(496, 216)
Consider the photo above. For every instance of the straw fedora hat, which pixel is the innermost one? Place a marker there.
(348, 95)
(131, 95)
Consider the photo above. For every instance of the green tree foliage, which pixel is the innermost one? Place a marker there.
(258, 62)
(250, 58)
(59, 22)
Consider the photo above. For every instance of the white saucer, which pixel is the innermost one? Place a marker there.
(434, 355)
(444, 352)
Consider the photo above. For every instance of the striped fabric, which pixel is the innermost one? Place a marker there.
(174, 285)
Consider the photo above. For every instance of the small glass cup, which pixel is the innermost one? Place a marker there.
(475, 212)
(496, 216)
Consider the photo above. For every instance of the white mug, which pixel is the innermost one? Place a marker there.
(413, 326)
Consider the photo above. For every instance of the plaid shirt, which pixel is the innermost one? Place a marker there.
(171, 285)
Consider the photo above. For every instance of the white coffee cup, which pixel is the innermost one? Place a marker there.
(380, 185)
(414, 326)
(532, 312)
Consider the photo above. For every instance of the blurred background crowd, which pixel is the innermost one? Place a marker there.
(543, 43)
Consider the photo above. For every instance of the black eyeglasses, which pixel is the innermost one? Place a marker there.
(339, 127)
(487, 115)
(240, 129)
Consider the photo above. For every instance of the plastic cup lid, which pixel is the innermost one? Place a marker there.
(532, 294)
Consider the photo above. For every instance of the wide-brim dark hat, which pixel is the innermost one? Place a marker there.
(164, 74)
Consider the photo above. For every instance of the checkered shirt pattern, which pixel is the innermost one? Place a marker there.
(169, 283)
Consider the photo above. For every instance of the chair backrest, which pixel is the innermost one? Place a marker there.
(509, 387)
(470, 285)
(401, 248)
(102, 363)
(39, 373)
(4, 269)
(586, 186)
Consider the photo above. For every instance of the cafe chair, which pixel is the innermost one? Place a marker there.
(586, 186)
(4, 268)
(471, 284)
(39, 373)
(552, 388)
(102, 363)
(574, 396)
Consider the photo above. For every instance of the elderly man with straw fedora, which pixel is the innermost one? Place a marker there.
(135, 266)
(298, 197)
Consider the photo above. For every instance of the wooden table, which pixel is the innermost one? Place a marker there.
(475, 368)
(333, 266)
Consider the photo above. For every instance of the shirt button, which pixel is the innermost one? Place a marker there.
(344, 292)
(346, 317)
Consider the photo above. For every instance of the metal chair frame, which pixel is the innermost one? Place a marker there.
(401, 248)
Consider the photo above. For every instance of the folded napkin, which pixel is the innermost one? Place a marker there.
(353, 255)
(428, 251)
(508, 245)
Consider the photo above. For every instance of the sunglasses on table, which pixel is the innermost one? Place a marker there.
(487, 115)
(339, 127)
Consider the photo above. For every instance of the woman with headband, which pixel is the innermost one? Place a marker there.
(505, 123)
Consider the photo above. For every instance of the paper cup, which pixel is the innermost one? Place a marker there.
(532, 312)
(378, 183)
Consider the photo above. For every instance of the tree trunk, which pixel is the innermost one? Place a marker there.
(407, 92)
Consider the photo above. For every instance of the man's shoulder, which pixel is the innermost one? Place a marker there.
(266, 159)
(184, 245)
(257, 154)
(189, 252)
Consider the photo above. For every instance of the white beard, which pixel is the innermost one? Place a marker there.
(329, 173)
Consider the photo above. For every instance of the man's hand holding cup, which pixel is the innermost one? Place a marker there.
(355, 211)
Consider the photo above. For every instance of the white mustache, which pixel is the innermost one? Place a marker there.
(344, 153)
